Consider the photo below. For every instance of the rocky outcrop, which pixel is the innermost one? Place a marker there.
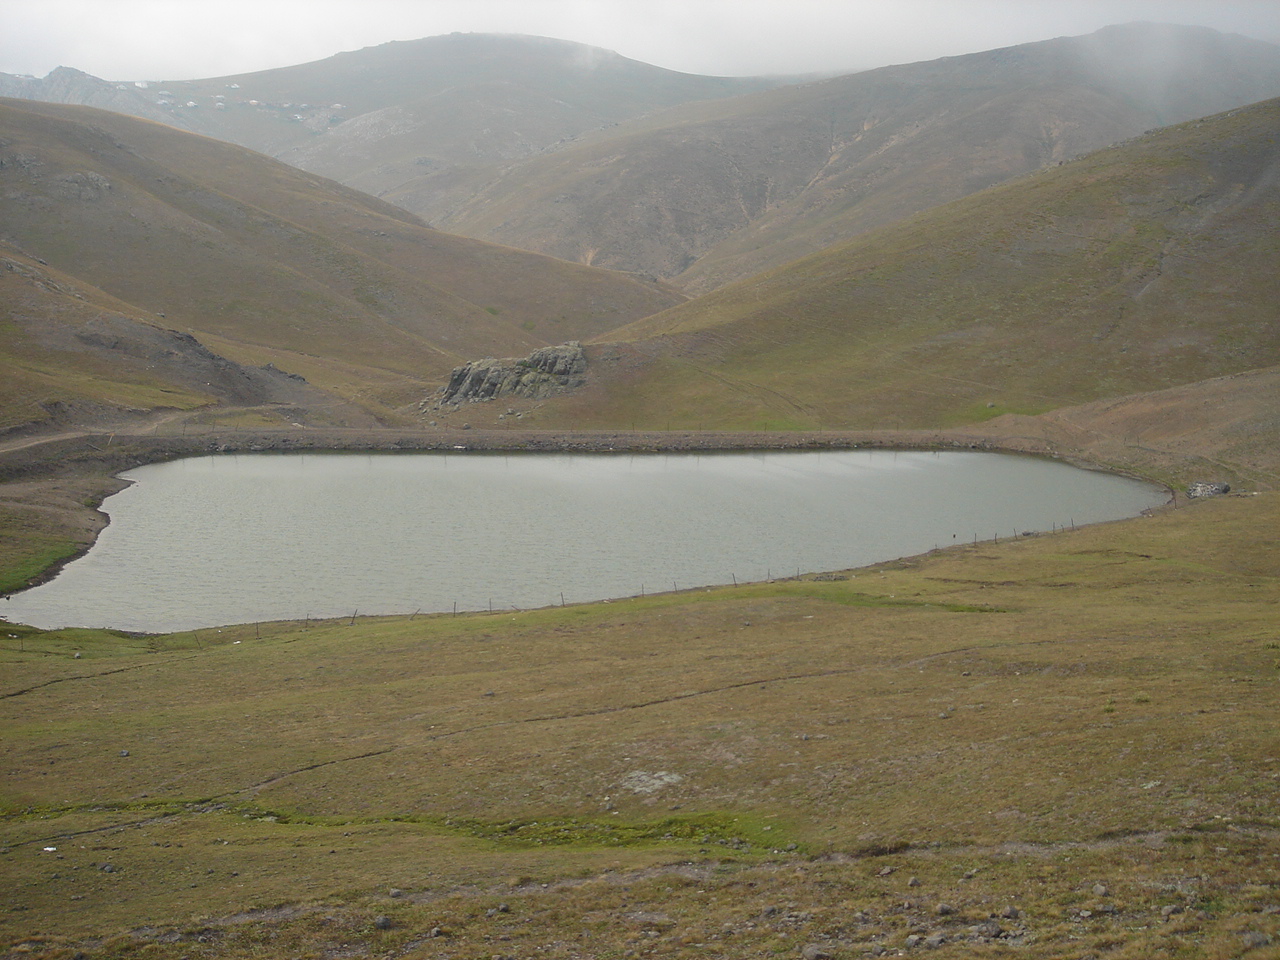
(68, 85)
(544, 373)
(1205, 488)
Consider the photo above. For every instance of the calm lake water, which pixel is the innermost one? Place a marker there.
(236, 539)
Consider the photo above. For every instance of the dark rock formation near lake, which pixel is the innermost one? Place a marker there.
(544, 373)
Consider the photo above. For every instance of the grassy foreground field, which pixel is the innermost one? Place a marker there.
(1059, 746)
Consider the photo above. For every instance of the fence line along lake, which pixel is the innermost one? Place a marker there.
(243, 538)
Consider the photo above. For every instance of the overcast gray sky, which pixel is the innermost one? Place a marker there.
(185, 39)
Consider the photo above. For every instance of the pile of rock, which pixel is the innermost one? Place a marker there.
(544, 373)
(1206, 488)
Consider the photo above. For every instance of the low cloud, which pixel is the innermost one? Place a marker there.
(162, 39)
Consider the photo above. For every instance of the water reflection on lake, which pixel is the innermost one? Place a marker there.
(233, 539)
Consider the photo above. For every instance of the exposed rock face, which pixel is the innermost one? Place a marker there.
(545, 372)
(1203, 488)
(68, 85)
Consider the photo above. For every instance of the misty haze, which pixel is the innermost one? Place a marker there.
(542, 480)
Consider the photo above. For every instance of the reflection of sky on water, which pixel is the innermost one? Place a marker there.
(257, 537)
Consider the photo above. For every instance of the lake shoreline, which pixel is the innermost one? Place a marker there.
(110, 452)
(94, 460)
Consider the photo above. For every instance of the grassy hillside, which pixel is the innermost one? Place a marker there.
(1225, 428)
(426, 121)
(713, 192)
(1141, 267)
(264, 263)
(1058, 745)
(590, 157)
(36, 378)
(1067, 740)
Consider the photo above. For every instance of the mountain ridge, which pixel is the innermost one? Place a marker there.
(1140, 267)
(582, 154)
(447, 99)
(721, 191)
(264, 263)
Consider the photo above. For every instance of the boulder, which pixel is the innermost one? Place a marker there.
(544, 373)
(1207, 488)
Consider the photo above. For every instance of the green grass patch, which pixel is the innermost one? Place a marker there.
(719, 830)
(981, 412)
(20, 571)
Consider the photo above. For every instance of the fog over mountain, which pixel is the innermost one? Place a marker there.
(712, 192)
(585, 157)
(945, 231)
(445, 113)
(153, 39)
(588, 156)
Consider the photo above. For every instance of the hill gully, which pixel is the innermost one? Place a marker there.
(256, 537)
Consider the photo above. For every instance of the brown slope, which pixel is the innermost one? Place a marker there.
(427, 120)
(1141, 267)
(73, 356)
(268, 262)
(1225, 428)
(462, 108)
(714, 192)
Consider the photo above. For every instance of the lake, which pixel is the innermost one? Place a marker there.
(256, 537)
